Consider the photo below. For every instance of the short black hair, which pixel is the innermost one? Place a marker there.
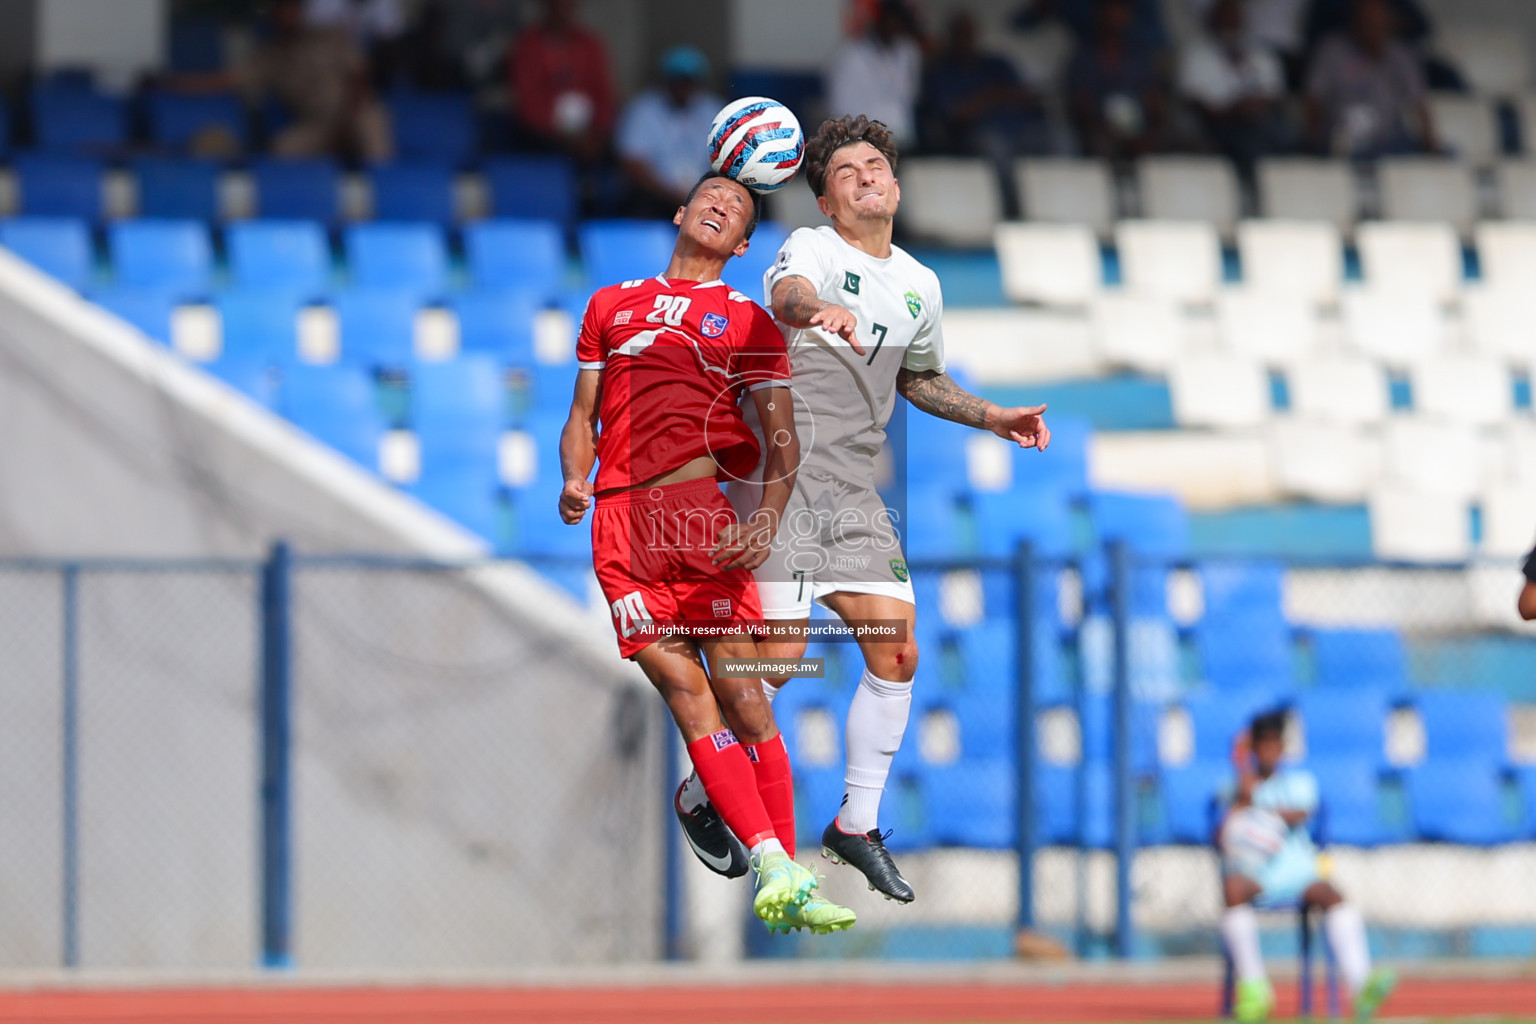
(757, 202)
(1268, 724)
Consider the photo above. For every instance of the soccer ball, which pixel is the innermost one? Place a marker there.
(757, 142)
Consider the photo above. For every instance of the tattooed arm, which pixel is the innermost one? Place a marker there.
(796, 303)
(937, 394)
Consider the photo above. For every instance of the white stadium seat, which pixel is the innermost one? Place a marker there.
(1506, 252)
(1408, 525)
(1498, 322)
(1519, 455)
(1218, 390)
(1517, 184)
(1428, 189)
(1467, 126)
(1396, 328)
(1142, 332)
(1272, 329)
(1338, 389)
(1306, 188)
(1172, 259)
(1463, 388)
(1057, 264)
(1494, 60)
(1509, 519)
(1012, 346)
(1419, 258)
(1204, 468)
(953, 200)
(1432, 454)
(1061, 191)
(1301, 259)
(1190, 188)
(1327, 462)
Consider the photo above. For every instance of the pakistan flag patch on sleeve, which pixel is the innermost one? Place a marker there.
(914, 304)
(899, 569)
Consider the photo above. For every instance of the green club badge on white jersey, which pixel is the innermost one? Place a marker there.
(914, 304)
(899, 569)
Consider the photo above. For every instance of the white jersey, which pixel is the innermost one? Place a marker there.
(844, 400)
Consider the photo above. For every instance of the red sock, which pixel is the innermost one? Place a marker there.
(775, 784)
(731, 785)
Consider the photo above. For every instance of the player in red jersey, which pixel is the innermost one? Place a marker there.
(664, 363)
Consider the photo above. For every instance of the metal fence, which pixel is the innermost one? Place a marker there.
(349, 762)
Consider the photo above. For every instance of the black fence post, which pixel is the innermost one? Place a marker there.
(276, 774)
(674, 927)
(1024, 728)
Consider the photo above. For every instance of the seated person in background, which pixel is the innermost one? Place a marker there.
(975, 103)
(878, 74)
(1147, 31)
(1528, 592)
(1118, 100)
(661, 135)
(562, 87)
(1365, 90)
(1237, 87)
(1325, 17)
(1273, 25)
(1267, 851)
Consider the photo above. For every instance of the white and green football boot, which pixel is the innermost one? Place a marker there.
(780, 883)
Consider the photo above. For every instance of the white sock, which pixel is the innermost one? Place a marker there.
(877, 718)
(1240, 931)
(771, 690)
(1346, 935)
(693, 796)
(767, 846)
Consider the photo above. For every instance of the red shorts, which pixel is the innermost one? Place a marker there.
(650, 548)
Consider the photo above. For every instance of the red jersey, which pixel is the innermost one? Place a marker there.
(676, 358)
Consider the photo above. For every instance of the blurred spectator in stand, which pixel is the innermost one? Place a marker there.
(1237, 87)
(1118, 100)
(661, 135)
(319, 78)
(1365, 90)
(1147, 32)
(562, 88)
(1273, 25)
(426, 61)
(879, 74)
(376, 26)
(1326, 17)
(975, 103)
(1528, 592)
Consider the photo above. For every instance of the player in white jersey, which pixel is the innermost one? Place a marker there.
(1267, 852)
(862, 319)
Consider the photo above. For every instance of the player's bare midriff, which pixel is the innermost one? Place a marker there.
(693, 469)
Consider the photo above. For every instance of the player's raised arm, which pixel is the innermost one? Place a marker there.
(936, 393)
(578, 447)
(796, 304)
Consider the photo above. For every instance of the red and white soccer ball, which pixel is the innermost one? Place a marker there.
(756, 141)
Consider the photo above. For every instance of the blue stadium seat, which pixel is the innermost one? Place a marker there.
(175, 255)
(60, 246)
(148, 309)
(1218, 718)
(433, 126)
(1470, 724)
(818, 791)
(745, 273)
(176, 120)
(1526, 780)
(1098, 734)
(625, 250)
(257, 379)
(285, 254)
(1351, 789)
(552, 386)
(1189, 792)
(932, 526)
(259, 324)
(1155, 525)
(408, 257)
(1360, 657)
(1243, 637)
(77, 121)
(538, 530)
(59, 186)
(413, 191)
(534, 188)
(1345, 723)
(377, 325)
(185, 189)
(1062, 468)
(498, 323)
(1004, 520)
(460, 402)
(1056, 817)
(298, 189)
(336, 405)
(935, 453)
(523, 255)
(1459, 800)
(970, 803)
(988, 659)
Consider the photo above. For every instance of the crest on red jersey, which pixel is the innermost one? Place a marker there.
(713, 325)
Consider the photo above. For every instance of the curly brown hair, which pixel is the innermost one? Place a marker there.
(836, 133)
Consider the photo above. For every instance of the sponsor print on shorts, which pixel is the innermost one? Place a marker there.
(721, 607)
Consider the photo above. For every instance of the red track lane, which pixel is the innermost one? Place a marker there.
(818, 1003)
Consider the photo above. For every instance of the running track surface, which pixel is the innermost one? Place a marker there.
(816, 1003)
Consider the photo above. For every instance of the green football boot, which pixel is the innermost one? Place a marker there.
(821, 916)
(1255, 1000)
(1377, 987)
(780, 883)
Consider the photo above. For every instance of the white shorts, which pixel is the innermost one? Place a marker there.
(836, 537)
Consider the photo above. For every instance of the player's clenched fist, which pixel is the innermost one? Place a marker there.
(575, 499)
(834, 319)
